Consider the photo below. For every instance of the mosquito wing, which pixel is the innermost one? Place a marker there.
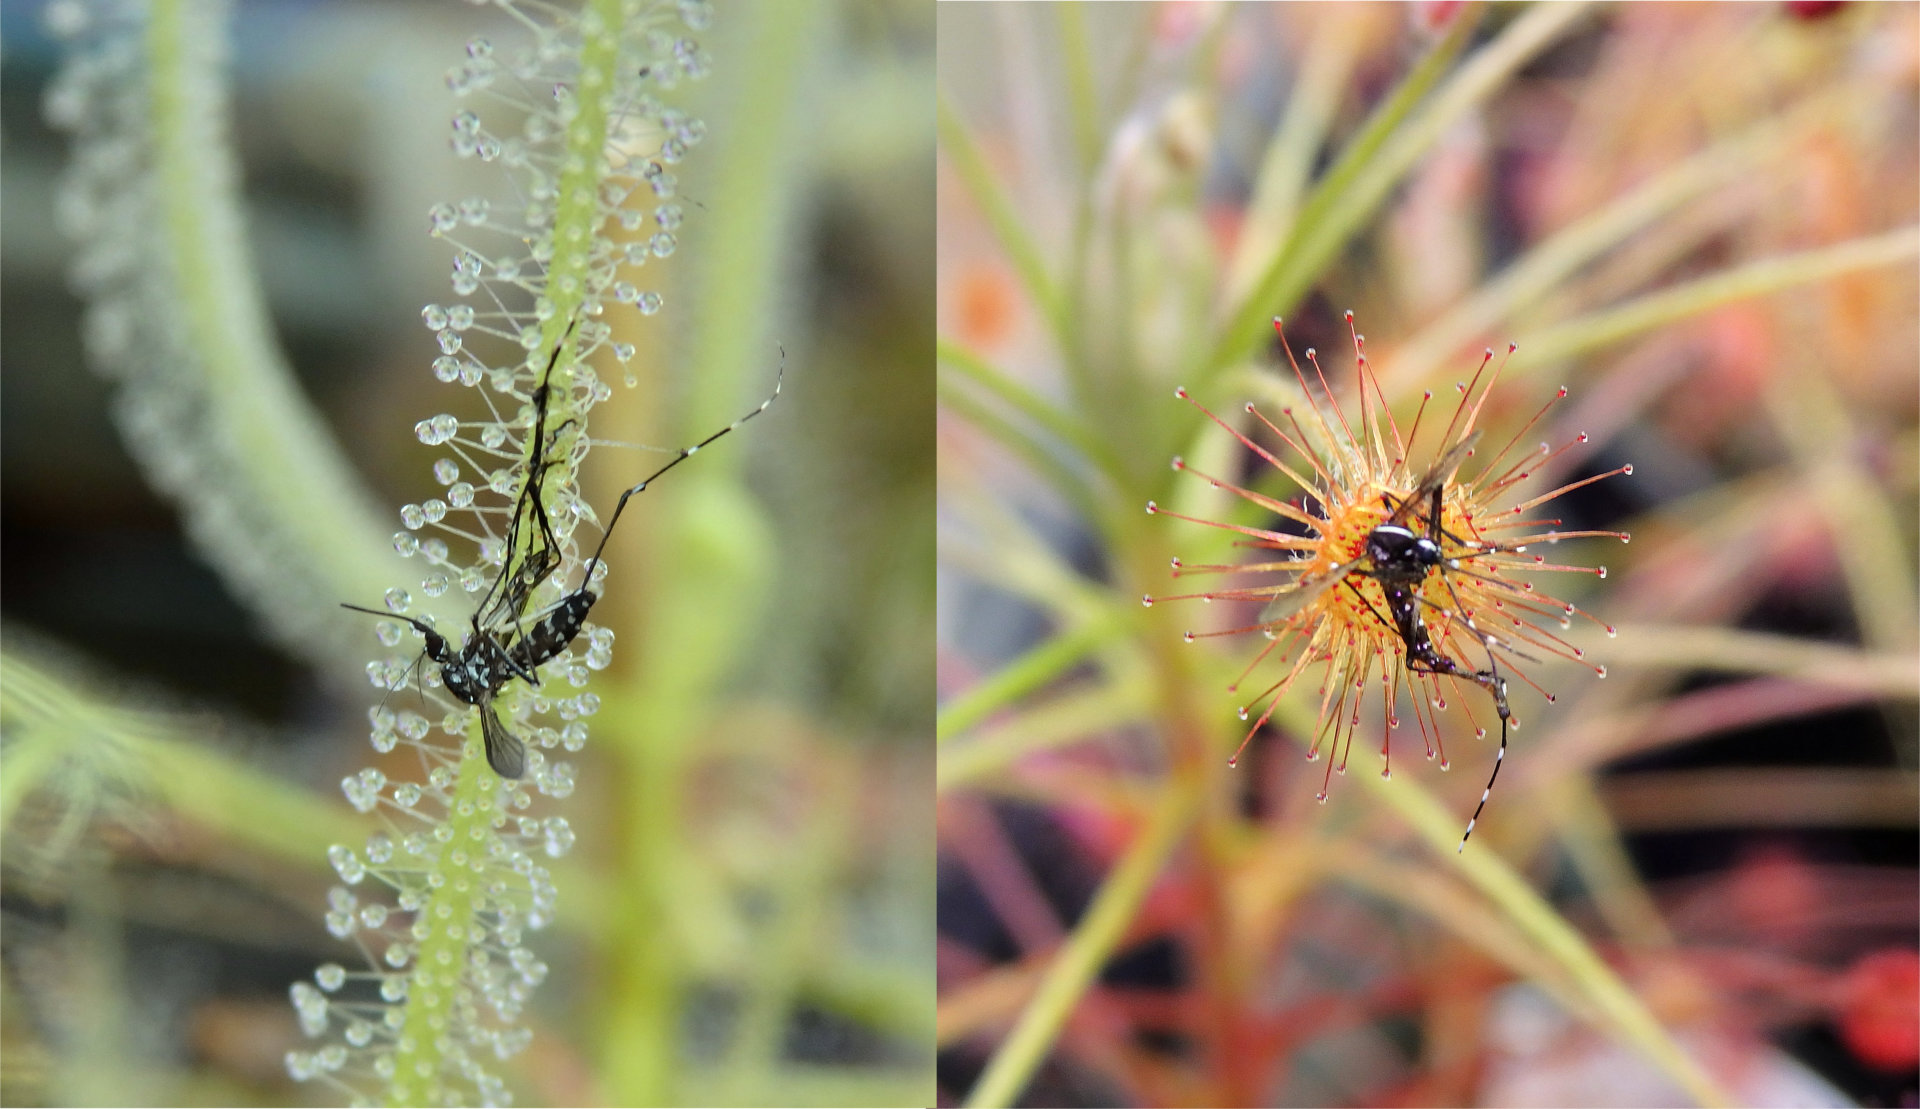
(1305, 591)
(1437, 475)
(505, 753)
(541, 558)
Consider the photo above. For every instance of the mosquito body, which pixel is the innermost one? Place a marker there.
(496, 651)
(1400, 560)
(1430, 586)
(478, 671)
(483, 666)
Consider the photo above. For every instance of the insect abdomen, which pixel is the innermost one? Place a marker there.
(552, 634)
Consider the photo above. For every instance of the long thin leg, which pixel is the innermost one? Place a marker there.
(533, 569)
(685, 453)
(436, 643)
(1490, 677)
(1494, 684)
(1499, 757)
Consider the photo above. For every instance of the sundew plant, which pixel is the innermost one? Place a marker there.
(459, 889)
(442, 899)
(739, 919)
(1576, 242)
(1335, 594)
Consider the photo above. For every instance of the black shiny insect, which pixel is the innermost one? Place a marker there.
(480, 669)
(562, 622)
(483, 666)
(491, 657)
(1399, 559)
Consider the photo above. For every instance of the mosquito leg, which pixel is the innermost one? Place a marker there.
(1499, 757)
(1499, 688)
(517, 669)
(436, 643)
(780, 377)
(1436, 663)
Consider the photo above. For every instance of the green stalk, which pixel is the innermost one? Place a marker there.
(1017, 441)
(1770, 275)
(977, 177)
(327, 539)
(440, 961)
(49, 720)
(1273, 210)
(709, 539)
(1547, 265)
(1629, 1019)
(455, 873)
(1024, 675)
(959, 360)
(1088, 948)
(1082, 103)
(1735, 651)
(1064, 719)
(1332, 215)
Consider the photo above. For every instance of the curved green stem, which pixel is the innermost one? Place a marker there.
(1092, 943)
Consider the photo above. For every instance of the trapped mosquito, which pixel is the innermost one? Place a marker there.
(497, 648)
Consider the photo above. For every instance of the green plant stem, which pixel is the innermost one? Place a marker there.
(1595, 983)
(1087, 949)
(1870, 528)
(1065, 718)
(797, 926)
(325, 535)
(1628, 1017)
(1336, 208)
(1355, 860)
(440, 960)
(711, 541)
(1730, 650)
(1083, 104)
(1030, 450)
(958, 360)
(1007, 227)
(1288, 165)
(1546, 266)
(49, 719)
(167, 766)
(1770, 275)
(1020, 677)
(1019, 561)
(1595, 851)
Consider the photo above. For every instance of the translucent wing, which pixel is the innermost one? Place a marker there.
(1437, 475)
(1305, 591)
(506, 599)
(505, 753)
